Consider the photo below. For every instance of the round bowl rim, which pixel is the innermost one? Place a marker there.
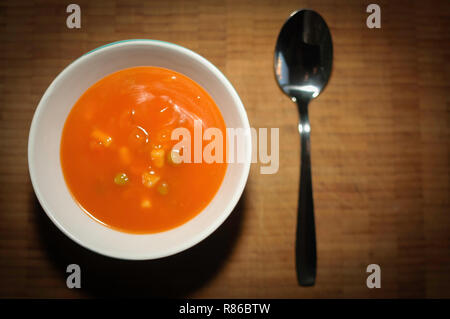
(202, 234)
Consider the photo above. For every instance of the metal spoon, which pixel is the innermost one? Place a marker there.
(303, 61)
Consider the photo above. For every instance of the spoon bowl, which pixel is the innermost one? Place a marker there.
(303, 55)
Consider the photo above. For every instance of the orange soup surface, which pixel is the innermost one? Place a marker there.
(117, 154)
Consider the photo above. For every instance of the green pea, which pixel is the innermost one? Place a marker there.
(121, 179)
(163, 188)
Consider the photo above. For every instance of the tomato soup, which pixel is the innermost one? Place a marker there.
(117, 154)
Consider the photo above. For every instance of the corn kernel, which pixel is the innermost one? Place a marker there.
(102, 138)
(149, 179)
(146, 203)
(157, 156)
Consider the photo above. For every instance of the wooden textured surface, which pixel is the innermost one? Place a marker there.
(380, 151)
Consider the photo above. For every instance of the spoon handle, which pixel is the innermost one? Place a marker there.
(305, 247)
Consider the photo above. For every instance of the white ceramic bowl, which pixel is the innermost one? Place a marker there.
(45, 136)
